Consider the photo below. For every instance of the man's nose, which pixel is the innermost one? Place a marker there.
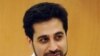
(53, 46)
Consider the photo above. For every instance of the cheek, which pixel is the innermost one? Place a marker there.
(39, 49)
(63, 45)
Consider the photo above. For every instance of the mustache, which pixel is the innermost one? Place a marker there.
(54, 53)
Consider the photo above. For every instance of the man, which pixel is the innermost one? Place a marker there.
(46, 27)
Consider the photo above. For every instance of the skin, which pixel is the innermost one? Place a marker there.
(49, 38)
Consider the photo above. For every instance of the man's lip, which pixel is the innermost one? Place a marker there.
(57, 55)
(54, 55)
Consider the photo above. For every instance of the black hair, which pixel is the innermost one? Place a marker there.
(43, 12)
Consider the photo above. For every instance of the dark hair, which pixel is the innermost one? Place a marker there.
(43, 12)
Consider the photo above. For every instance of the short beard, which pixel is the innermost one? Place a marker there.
(46, 54)
(56, 52)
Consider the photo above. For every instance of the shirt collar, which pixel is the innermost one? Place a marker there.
(33, 54)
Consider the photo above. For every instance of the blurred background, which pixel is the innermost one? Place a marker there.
(83, 32)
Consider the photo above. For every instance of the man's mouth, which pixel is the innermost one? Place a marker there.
(54, 55)
(58, 53)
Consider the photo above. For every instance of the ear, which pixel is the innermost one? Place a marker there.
(29, 41)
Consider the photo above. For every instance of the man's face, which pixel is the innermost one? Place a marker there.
(49, 38)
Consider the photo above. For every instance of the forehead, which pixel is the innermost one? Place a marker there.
(48, 27)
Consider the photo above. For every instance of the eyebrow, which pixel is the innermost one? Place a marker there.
(42, 36)
(60, 32)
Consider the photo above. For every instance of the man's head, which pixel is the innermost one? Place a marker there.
(46, 26)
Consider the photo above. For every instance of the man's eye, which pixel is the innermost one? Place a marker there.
(59, 37)
(43, 40)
